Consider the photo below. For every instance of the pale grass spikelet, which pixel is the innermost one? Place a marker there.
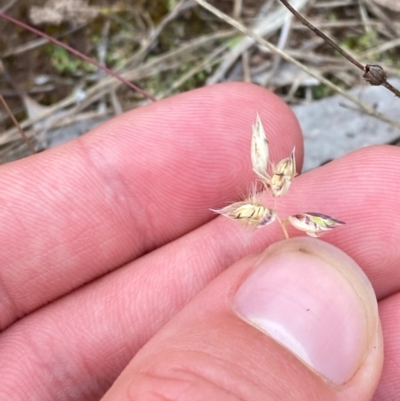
(314, 224)
(259, 150)
(250, 212)
(282, 175)
(278, 182)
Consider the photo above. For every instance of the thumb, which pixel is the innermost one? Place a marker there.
(297, 322)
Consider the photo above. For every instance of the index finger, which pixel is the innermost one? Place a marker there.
(145, 178)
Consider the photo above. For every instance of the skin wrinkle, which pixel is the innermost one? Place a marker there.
(56, 372)
(154, 389)
(186, 375)
(107, 176)
(36, 353)
(12, 310)
(21, 309)
(148, 228)
(207, 368)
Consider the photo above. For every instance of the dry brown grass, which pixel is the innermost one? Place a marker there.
(172, 46)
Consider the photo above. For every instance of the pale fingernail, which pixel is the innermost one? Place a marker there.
(314, 300)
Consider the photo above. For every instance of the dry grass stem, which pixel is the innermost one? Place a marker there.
(264, 26)
(20, 130)
(363, 106)
(164, 61)
(372, 74)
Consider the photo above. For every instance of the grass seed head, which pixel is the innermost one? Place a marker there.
(282, 175)
(249, 212)
(314, 224)
(259, 150)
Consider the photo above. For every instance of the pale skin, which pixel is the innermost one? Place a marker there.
(107, 238)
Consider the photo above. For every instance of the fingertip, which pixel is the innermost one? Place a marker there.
(133, 184)
(197, 143)
(271, 327)
(237, 104)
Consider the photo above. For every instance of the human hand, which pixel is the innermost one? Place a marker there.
(109, 252)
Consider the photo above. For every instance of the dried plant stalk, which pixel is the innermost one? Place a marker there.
(372, 73)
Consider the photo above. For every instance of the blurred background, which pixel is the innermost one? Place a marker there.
(172, 46)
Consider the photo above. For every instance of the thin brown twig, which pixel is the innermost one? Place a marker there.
(368, 109)
(374, 74)
(25, 138)
(166, 61)
(34, 44)
(322, 35)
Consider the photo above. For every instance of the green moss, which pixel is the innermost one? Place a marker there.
(66, 63)
(361, 43)
(321, 91)
(333, 17)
